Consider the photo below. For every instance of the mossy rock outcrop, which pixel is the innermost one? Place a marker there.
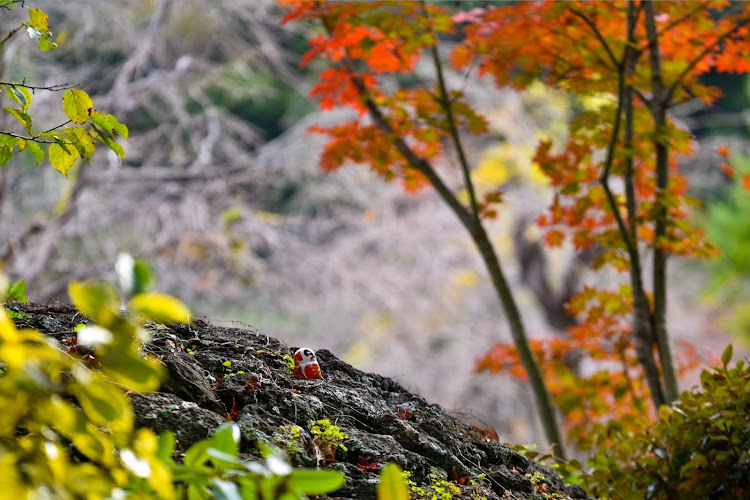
(217, 373)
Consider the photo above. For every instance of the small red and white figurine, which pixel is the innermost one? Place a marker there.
(306, 364)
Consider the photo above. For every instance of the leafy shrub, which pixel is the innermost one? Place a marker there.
(698, 448)
(66, 429)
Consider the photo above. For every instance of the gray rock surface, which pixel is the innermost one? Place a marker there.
(217, 373)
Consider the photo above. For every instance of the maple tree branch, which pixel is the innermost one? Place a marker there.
(481, 239)
(417, 162)
(445, 103)
(707, 50)
(642, 331)
(586, 19)
(671, 24)
(604, 178)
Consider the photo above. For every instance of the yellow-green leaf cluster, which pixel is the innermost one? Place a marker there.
(67, 145)
(38, 28)
(53, 403)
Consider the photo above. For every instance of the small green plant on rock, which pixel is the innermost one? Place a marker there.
(538, 483)
(289, 437)
(289, 360)
(434, 488)
(328, 438)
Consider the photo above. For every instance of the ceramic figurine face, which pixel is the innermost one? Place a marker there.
(306, 364)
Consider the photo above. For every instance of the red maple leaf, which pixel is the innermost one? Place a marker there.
(365, 464)
(234, 413)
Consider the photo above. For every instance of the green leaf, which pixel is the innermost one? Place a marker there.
(197, 454)
(10, 141)
(118, 150)
(45, 44)
(102, 401)
(109, 124)
(223, 460)
(77, 105)
(224, 490)
(223, 439)
(62, 159)
(21, 117)
(392, 485)
(6, 154)
(320, 482)
(17, 292)
(145, 278)
(726, 356)
(167, 443)
(19, 94)
(132, 371)
(38, 20)
(105, 122)
(159, 308)
(35, 150)
(97, 300)
(38, 29)
(72, 424)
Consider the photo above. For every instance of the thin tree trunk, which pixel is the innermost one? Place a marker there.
(659, 104)
(642, 327)
(643, 331)
(473, 225)
(518, 332)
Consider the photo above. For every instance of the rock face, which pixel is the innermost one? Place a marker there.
(217, 373)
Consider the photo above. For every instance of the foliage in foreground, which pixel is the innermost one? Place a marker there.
(698, 448)
(67, 424)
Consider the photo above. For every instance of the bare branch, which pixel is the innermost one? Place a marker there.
(51, 88)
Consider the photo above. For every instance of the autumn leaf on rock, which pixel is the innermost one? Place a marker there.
(365, 464)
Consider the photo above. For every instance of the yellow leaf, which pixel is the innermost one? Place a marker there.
(392, 485)
(102, 401)
(492, 171)
(62, 160)
(77, 105)
(97, 300)
(466, 278)
(159, 308)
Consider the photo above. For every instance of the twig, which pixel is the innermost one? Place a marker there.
(50, 88)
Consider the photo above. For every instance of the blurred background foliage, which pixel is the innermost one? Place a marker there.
(220, 190)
